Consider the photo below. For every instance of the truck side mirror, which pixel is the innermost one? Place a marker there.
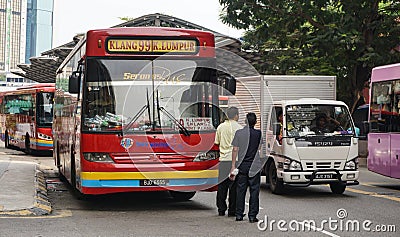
(230, 85)
(366, 127)
(73, 83)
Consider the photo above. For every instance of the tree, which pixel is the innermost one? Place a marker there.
(324, 37)
(126, 18)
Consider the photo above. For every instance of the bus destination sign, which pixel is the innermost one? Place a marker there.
(185, 46)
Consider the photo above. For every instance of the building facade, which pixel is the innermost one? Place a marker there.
(39, 27)
(26, 29)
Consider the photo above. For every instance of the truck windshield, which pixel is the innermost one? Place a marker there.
(318, 120)
(150, 95)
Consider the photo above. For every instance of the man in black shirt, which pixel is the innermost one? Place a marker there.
(246, 144)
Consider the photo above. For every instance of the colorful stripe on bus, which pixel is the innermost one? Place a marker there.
(41, 142)
(132, 179)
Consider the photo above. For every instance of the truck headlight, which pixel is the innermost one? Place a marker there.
(292, 165)
(98, 157)
(203, 156)
(351, 165)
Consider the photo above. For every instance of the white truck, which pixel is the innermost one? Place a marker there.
(295, 152)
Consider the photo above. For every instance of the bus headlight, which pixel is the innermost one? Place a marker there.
(351, 165)
(44, 136)
(292, 165)
(203, 156)
(98, 157)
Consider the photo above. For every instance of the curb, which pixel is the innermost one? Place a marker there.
(41, 205)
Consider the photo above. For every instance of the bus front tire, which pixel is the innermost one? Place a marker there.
(275, 184)
(337, 188)
(6, 141)
(182, 196)
(27, 145)
(75, 191)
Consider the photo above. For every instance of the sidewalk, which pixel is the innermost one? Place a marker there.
(22, 188)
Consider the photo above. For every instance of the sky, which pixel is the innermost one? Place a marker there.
(72, 17)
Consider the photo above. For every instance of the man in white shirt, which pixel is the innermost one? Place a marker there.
(224, 136)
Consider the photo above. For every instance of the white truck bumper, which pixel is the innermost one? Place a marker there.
(319, 177)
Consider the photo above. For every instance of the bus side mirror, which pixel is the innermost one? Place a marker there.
(73, 83)
(230, 85)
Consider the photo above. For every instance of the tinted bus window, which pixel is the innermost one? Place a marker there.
(19, 104)
(385, 106)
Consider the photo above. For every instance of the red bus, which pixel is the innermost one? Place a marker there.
(136, 110)
(27, 116)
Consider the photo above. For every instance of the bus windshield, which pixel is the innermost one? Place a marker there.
(318, 120)
(44, 112)
(385, 106)
(149, 95)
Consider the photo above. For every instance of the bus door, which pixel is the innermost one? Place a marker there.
(379, 153)
(395, 155)
(395, 127)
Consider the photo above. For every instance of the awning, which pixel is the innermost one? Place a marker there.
(43, 68)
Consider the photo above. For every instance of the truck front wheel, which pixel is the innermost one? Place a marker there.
(275, 184)
(337, 188)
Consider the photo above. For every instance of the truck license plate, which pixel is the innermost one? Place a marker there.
(154, 182)
(324, 176)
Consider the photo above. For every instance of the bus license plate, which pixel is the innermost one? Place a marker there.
(324, 176)
(154, 182)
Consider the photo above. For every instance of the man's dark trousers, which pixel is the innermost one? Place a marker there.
(243, 181)
(223, 188)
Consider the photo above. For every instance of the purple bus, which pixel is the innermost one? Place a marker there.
(384, 118)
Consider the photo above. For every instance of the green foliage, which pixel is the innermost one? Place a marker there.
(2, 77)
(126, 18)
(321, 37)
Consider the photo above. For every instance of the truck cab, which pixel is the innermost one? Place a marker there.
(311, 141)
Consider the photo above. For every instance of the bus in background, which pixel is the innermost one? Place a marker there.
(136, 110)
(384, 119)
(26, 117)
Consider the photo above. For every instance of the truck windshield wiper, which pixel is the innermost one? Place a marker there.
(139, 113)
(302, 136)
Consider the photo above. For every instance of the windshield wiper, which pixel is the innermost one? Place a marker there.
(170, 116)
(139, 113)
(158, 109)
(302, 137)
(148, 105)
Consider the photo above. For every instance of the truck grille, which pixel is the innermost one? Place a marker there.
(314, 165)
